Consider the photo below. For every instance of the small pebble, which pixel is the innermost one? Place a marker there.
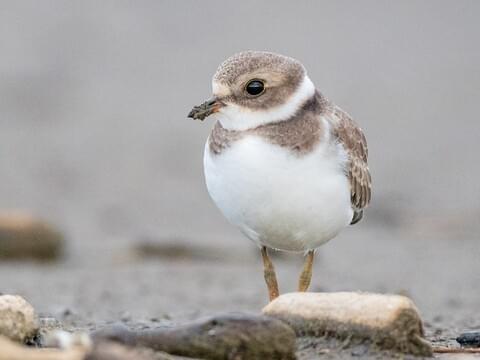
(66, 340)
(470, 338)
(18, 320)
(23, 236)
(360, 350)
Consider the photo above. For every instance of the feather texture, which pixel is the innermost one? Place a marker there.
(351, 137)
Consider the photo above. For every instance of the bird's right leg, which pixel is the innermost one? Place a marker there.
(269, 274)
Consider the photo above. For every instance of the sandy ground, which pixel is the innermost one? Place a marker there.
(94, 138)
(160, 292)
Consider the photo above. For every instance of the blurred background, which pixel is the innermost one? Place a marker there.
(94, 140)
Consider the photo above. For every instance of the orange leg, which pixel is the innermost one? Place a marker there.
(306, 276)
(269, 274)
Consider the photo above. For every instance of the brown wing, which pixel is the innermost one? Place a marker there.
(355, 144)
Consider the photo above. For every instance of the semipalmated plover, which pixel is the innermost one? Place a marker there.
(282, 163)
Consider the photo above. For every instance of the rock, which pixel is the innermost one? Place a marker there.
(391, 322)
(48, 325)
(17, 318)
(236, 336)
(14, 351)
(116, 333)
(470, 338)
(175, 250)
(25, 237)
(66, 340)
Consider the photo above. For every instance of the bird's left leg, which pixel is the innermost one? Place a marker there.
(306, 276)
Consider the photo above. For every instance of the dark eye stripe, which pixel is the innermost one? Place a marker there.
(255, 87)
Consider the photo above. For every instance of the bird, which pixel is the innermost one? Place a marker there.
(282, 162)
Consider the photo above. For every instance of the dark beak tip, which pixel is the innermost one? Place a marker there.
(193, 113)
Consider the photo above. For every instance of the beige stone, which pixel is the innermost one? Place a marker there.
(23, 236)
(391, 322)
(17, 318)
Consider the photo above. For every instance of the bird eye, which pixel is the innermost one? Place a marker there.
(255, 87)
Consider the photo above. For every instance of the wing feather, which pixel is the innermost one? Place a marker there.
(355, 144)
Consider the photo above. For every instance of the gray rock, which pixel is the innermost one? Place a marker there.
(18, 321)
(24, 237)
(470, 338)
(175, 249)
(391, 322)
(236, 336)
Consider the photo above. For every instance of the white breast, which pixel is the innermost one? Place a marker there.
(278, 198)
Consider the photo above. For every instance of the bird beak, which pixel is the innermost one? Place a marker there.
(209, 107)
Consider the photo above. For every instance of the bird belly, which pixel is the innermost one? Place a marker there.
(278, 198)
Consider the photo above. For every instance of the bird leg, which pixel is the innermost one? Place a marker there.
(306, 276)
(269, 274)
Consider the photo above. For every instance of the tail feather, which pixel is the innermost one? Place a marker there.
(357, 216)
